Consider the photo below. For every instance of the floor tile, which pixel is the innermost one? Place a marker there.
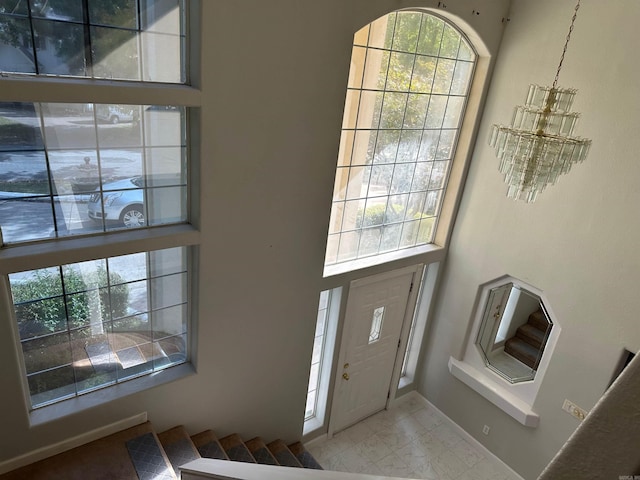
(373, 448)
(411, 440)
(447, 435)
(359, 432)
(392, 465)
(354, 461)
(466, 452)
(427, 418)
(448, 464)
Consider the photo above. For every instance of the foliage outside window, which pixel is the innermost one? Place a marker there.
(92, 324)
(408, 83)
(114, 39)
(79, 175)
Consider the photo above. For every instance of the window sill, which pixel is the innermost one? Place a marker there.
(104, 395)
(500, 397)
(311, 425)
(362, 263)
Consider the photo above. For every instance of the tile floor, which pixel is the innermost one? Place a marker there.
(411, 440)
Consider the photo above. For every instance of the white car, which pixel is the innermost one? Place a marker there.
(114, 114)
(123, 203)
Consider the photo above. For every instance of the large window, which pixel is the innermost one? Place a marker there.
(92, 324)
(115, 39)
(95, 190)
(409, 80)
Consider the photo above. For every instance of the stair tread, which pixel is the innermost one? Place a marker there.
(530, 334)
(236, 449)
(208, 445)
(178, 446)
(283, 455)
(539, 320)
(304, 456)
(522, 351)
(260, 452)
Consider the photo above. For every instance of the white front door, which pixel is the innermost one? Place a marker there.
(376, 311)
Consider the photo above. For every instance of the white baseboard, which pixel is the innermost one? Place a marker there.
(68, 444)
(464, 434)
(318, 439)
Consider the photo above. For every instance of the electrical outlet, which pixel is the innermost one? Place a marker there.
(486, 429)
(573, 409)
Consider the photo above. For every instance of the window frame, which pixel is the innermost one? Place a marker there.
(63, 250)
(458, 166)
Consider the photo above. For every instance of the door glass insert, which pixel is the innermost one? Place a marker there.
(376, 325)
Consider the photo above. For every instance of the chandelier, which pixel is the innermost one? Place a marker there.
(539, 145)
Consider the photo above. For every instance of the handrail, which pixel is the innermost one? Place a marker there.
(208, 468)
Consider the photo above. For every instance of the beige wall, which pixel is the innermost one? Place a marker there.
(273, 83)
(578, 243)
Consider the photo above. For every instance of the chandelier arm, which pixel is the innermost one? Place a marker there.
(566, 44)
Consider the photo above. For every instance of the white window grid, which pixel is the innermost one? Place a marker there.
(408, 213)
(318, 354)
(16, 87)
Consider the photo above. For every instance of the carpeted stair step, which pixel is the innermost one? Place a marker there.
(260, 452)
(236, 450)
(178, 446)
(522, 351)
(538, 320)
(283, 455)
(131, 454)
(304, 457)
(208, 445)
(530, 334)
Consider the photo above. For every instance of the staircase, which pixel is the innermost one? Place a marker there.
(138, 453)
(528, 343)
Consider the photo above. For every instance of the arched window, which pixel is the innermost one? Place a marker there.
(408, 85)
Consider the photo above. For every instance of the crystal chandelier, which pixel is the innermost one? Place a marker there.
(539, 145)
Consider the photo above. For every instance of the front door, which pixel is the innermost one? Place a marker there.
(376, 311)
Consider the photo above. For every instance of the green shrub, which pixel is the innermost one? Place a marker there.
(40, 307)
(377, 215)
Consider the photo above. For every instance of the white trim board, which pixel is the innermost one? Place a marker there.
(73, 442)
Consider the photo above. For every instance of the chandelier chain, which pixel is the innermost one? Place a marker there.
(566, 44)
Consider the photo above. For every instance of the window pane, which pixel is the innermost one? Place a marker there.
(60, 48)
(17, 7)
(169, 321)
(115, 53)
(122, 13)
(86, 325)
(67, 10)
(376, 325)
(161, 15)
(46, 352)
(119, 125)
(395, 154)
(122, 46)
(166, 205)
(424, 71)
(17, 44)
(162, 53)
(430, 35)
(405, 36)
(168, 291)
(94, 189)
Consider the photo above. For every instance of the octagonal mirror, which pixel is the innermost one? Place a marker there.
(514, 332)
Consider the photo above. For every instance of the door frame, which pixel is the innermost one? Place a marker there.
(418, 271)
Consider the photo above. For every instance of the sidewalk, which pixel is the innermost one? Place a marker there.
(33, 197)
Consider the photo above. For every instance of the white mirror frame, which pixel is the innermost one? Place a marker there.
(515, 399)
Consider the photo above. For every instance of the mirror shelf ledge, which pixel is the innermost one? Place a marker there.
(496, 394)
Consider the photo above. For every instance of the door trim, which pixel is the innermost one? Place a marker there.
(417, 271)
